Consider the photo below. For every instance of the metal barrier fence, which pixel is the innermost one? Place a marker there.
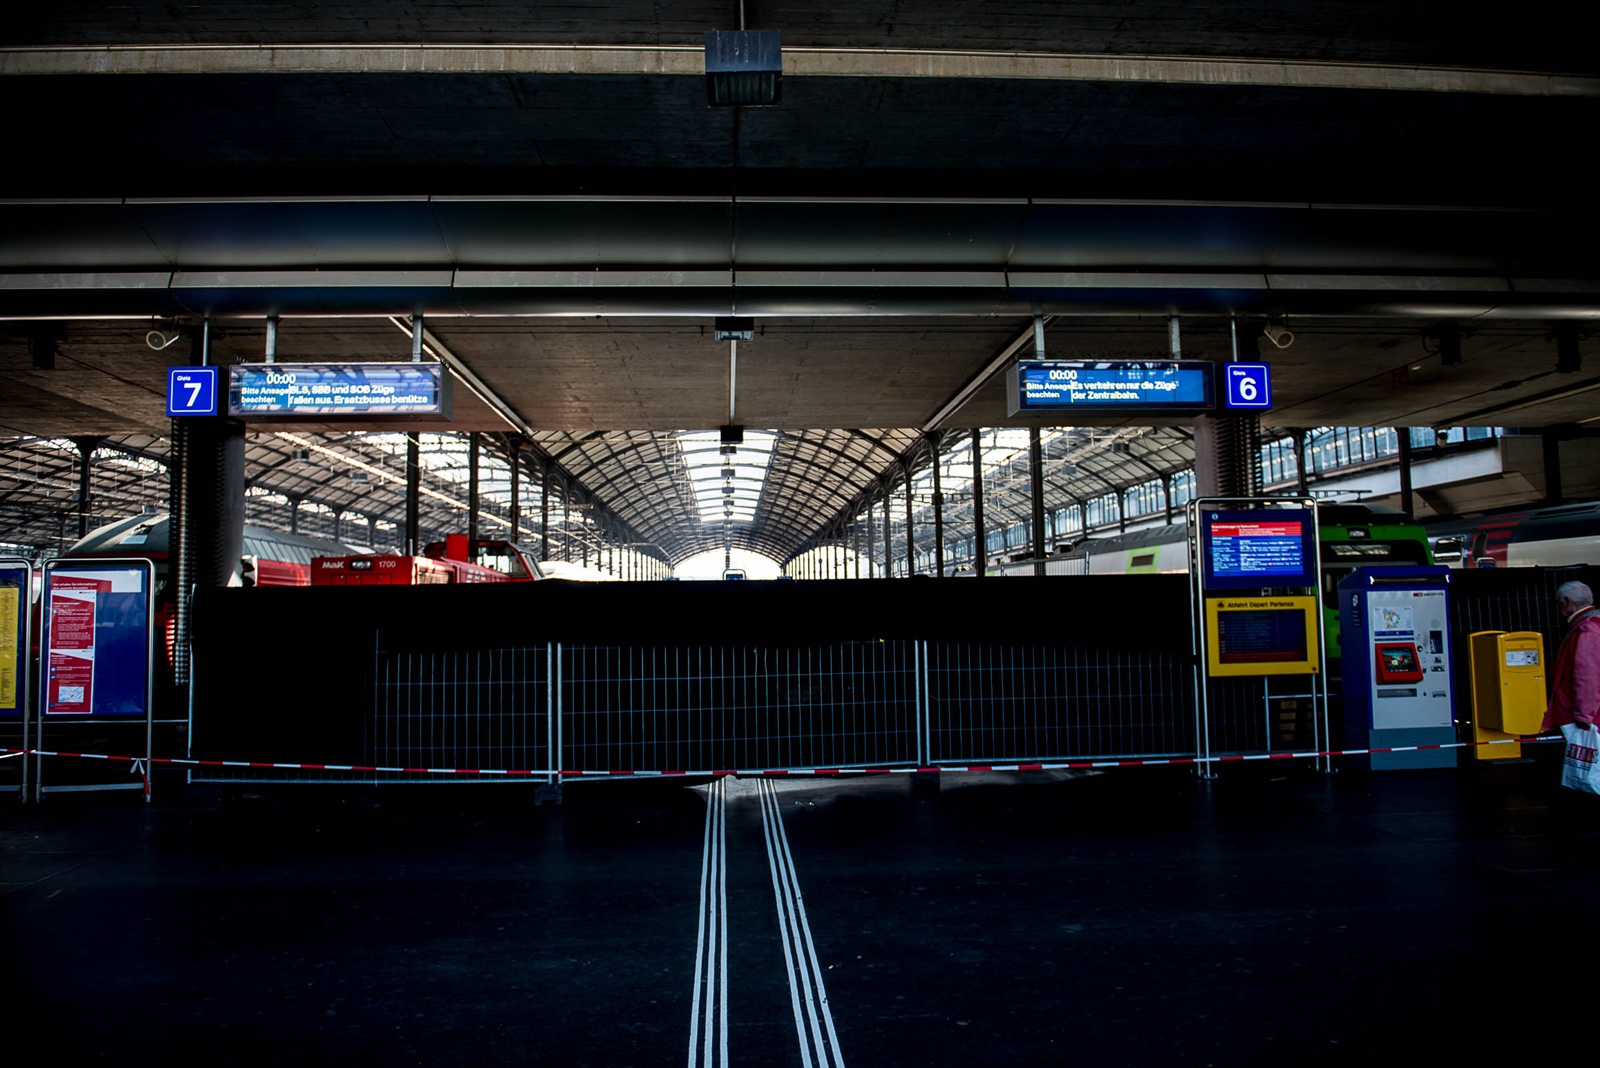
(1514, 598)
(675, 707)
(486, 708)
(995, 703)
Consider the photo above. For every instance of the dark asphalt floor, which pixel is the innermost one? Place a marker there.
(1134, 917)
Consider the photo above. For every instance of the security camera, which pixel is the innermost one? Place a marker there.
(158, 341)
(1278, 334)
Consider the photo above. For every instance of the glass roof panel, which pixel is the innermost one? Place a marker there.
(715, 469)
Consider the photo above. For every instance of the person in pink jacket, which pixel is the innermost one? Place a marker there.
(1575, 689)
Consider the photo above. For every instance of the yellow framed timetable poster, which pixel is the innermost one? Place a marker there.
(1261, 635)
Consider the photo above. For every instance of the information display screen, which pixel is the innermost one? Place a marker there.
(1258, 548)
(1399, 658)
(1111, 385)
(1261, 635)
(338, 390)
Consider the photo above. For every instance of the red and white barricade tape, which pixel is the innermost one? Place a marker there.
(576, 773)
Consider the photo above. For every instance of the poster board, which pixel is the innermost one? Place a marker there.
(95, 648)
(96, 660)
(16, 617)
(16, 579)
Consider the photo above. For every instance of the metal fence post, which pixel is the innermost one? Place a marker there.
(919, 653)
(552, 678)
(1202, 707)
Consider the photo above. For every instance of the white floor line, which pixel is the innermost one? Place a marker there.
(783, 925)
(811, 950)
(796, 929)
(711, 941)
(722, 910)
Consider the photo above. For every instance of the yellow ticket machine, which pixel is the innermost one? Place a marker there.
(1508, 689)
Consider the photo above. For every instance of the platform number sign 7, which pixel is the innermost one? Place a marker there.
(191, 391)
(1249, 385)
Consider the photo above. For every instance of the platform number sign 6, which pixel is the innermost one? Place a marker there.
(191, 391)
(1249, 385)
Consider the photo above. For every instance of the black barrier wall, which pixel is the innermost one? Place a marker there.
(693, 676)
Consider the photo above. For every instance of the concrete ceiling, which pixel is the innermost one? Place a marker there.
(547, 185)
(1524, 36)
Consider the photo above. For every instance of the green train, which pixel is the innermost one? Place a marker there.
(1353, 535)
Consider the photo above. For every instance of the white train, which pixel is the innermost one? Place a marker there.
(1545, 537)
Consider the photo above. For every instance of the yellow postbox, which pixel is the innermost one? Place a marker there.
(1508, 694)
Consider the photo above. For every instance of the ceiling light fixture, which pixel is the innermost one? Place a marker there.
(1568, 359)
(1449, 338)
(733, 328)
(744, 68)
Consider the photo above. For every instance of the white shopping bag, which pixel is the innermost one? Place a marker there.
(1579, 770)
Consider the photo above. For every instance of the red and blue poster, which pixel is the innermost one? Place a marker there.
(73, 600)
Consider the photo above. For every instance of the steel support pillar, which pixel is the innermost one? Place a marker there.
(473, 442)
(1554, 492)
(980, 537)
(180, 568)
(1403, 433)
(938, 508)
(1036, 498)
(872, 541)
(86, 447)
(888, 542)
(215, 499)
(544, 510)
(514, 453)
(911, 544)
(1226, 453)
(1302, 476)
(413, 493)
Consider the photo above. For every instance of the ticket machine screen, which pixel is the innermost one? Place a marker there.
(1398, 662)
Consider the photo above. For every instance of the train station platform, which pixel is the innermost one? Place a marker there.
(1140, 916)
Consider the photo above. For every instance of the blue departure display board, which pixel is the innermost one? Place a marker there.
(338, 391)
(1111, 385)
(1258, 548)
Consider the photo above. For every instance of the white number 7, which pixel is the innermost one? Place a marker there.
(194, 393)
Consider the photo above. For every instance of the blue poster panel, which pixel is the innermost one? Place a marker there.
(98, 631)
(1258, 548)
(15, 581)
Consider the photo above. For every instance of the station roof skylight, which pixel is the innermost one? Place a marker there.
(727, 479)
